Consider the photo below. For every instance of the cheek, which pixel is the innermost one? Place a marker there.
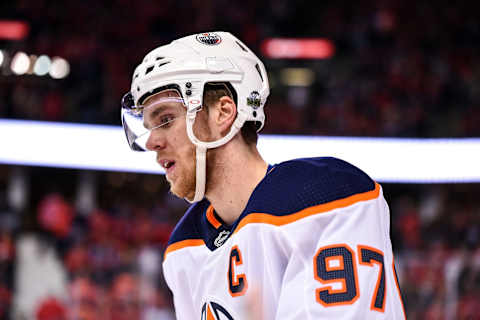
(179, 139)
(201, 129)
(183, 147)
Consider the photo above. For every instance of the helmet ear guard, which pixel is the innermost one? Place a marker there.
(188, 64)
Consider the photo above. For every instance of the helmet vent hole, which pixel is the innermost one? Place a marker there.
(149, 69)
(241, 47)
(255, 114)
(159, 58)
(164, 63)
(259, 73)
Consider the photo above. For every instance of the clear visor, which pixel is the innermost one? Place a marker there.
(156, 113)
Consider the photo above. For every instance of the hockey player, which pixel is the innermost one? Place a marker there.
(302, 239)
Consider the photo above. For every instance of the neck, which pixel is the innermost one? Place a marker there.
(234, 172)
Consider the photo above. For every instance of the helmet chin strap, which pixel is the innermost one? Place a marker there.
(201, 174)
(201, 151)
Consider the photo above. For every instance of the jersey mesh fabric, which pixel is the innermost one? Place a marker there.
(298, 184)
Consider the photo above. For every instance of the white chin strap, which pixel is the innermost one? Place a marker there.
(201, 151)
(201, 174)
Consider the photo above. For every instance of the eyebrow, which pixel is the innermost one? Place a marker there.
(153, 114)
(158, 110)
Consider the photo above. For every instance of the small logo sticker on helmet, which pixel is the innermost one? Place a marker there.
(254, 100)
(209, 38)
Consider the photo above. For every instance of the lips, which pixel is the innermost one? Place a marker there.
(167, 164)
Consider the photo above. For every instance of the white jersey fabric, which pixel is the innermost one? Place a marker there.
(312, 243)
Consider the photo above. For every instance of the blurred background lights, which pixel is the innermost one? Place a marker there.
(20, 63)
(59, 68)
(23, 64)
(42, 65)
(31, 64)
(14, 30)
(292, 48)
(300, 77)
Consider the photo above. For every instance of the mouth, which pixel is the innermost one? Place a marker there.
(167, 165)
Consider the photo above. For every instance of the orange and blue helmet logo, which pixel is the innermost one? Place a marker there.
(209, 38)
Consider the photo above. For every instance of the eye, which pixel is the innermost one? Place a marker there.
(165, 121)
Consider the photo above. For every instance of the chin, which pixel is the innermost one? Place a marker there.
(184, 191)
(182, 183)
(190, 197)
(183, 195)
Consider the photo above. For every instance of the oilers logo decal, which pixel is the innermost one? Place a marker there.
(209, 38)
(214, 311)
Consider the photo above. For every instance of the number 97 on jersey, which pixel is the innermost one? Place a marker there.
(335, 268)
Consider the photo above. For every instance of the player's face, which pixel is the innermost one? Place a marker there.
(175, 152)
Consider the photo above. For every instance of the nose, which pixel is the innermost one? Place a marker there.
(156, 141)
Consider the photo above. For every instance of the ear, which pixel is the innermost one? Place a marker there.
(224, 114)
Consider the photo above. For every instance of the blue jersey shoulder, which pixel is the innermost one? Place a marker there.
(190, 225)
(301, 183)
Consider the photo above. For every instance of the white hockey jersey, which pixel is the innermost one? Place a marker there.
(312, 243)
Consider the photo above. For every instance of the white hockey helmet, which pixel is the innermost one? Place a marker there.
(186, 65)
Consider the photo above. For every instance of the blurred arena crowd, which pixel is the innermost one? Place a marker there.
(401, 69)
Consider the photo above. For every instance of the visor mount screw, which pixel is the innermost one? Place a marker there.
(188, 85)
(188, 92)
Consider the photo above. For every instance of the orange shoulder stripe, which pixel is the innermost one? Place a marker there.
(182, 244)
(321, 208)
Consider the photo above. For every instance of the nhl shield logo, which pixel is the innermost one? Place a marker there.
(220, 240)
(214, 311)
(209, 38)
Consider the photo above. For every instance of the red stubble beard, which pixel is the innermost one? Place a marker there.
(182, 181)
